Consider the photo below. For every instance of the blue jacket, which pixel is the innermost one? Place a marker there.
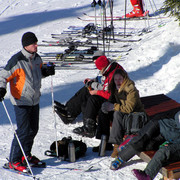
(170, 128)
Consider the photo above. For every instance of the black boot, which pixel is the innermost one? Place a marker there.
(63, 113)
(88, 130)
(59, 105)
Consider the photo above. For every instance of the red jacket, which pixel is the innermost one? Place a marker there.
(108, 73)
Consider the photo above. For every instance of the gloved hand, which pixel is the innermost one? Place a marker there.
(48, 69)
(88, 85)
(2, 93)
(106, 107)
(87, 80)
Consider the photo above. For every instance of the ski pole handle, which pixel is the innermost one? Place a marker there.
(94, 3)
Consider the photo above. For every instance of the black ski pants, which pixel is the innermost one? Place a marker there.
(86, 103)
(104, 121)
(27, 119)
(164, 156)
(148, 138)
(118, 126)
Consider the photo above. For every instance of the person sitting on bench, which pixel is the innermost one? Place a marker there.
(161, 134)
(123, 103)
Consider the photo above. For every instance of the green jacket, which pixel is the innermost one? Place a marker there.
(127, 99)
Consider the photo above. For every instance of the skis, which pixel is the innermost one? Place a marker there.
(145, 14)
(58, 44)
(69, 62)
(72, 67)
(88, 169)
(6, 166)
(123, 19)
(116, 39)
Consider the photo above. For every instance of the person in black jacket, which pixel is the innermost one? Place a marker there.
(161, 134)
(89, 98)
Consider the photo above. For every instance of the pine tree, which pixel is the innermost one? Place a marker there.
(172, 6)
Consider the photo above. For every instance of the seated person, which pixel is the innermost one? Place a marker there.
(124, 100)
(89, 98)
(161, 134)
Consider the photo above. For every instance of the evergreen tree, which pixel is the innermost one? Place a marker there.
(173, 6)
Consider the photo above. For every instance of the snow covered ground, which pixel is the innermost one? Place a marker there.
(153, 63)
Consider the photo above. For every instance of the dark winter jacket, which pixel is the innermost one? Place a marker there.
(106, 78)
(127, 99)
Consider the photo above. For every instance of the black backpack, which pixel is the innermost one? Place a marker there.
(80, 148)
(135, 121)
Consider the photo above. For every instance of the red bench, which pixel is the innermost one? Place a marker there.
(154, 105)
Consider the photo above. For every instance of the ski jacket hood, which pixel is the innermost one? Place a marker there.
(127, 99)
(170, 128)
(106, 79)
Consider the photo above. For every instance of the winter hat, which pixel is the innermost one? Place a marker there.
(101, 62)
(98, 54)
(28, 38)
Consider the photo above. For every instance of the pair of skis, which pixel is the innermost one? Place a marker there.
(119, 18)
(28, 173)
(88, 169)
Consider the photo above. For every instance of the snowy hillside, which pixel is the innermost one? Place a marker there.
(153, 63)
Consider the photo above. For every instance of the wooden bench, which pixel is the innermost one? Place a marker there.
(155, 105)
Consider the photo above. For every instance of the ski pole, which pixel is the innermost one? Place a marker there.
(147, 25)
(100, 7)
(52, 95)
(111, 12)
(125, 18)
(155, 10)
(34, 177)
(104, 23)
(93, 4)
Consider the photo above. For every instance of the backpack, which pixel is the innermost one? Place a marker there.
(135, 121)
(80, 148)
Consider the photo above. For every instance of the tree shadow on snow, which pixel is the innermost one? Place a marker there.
(61, 93)
(174, 94)
(15, 23)
(23, 21)
(3, 115)
(147, 71)
(55, 163)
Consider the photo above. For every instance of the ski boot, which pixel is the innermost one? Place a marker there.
(116, 164)
(63, 113)
(33, 162)
(137, 10)
(18, 166)
(140, 175)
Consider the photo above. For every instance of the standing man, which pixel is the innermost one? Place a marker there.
(24, 72)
